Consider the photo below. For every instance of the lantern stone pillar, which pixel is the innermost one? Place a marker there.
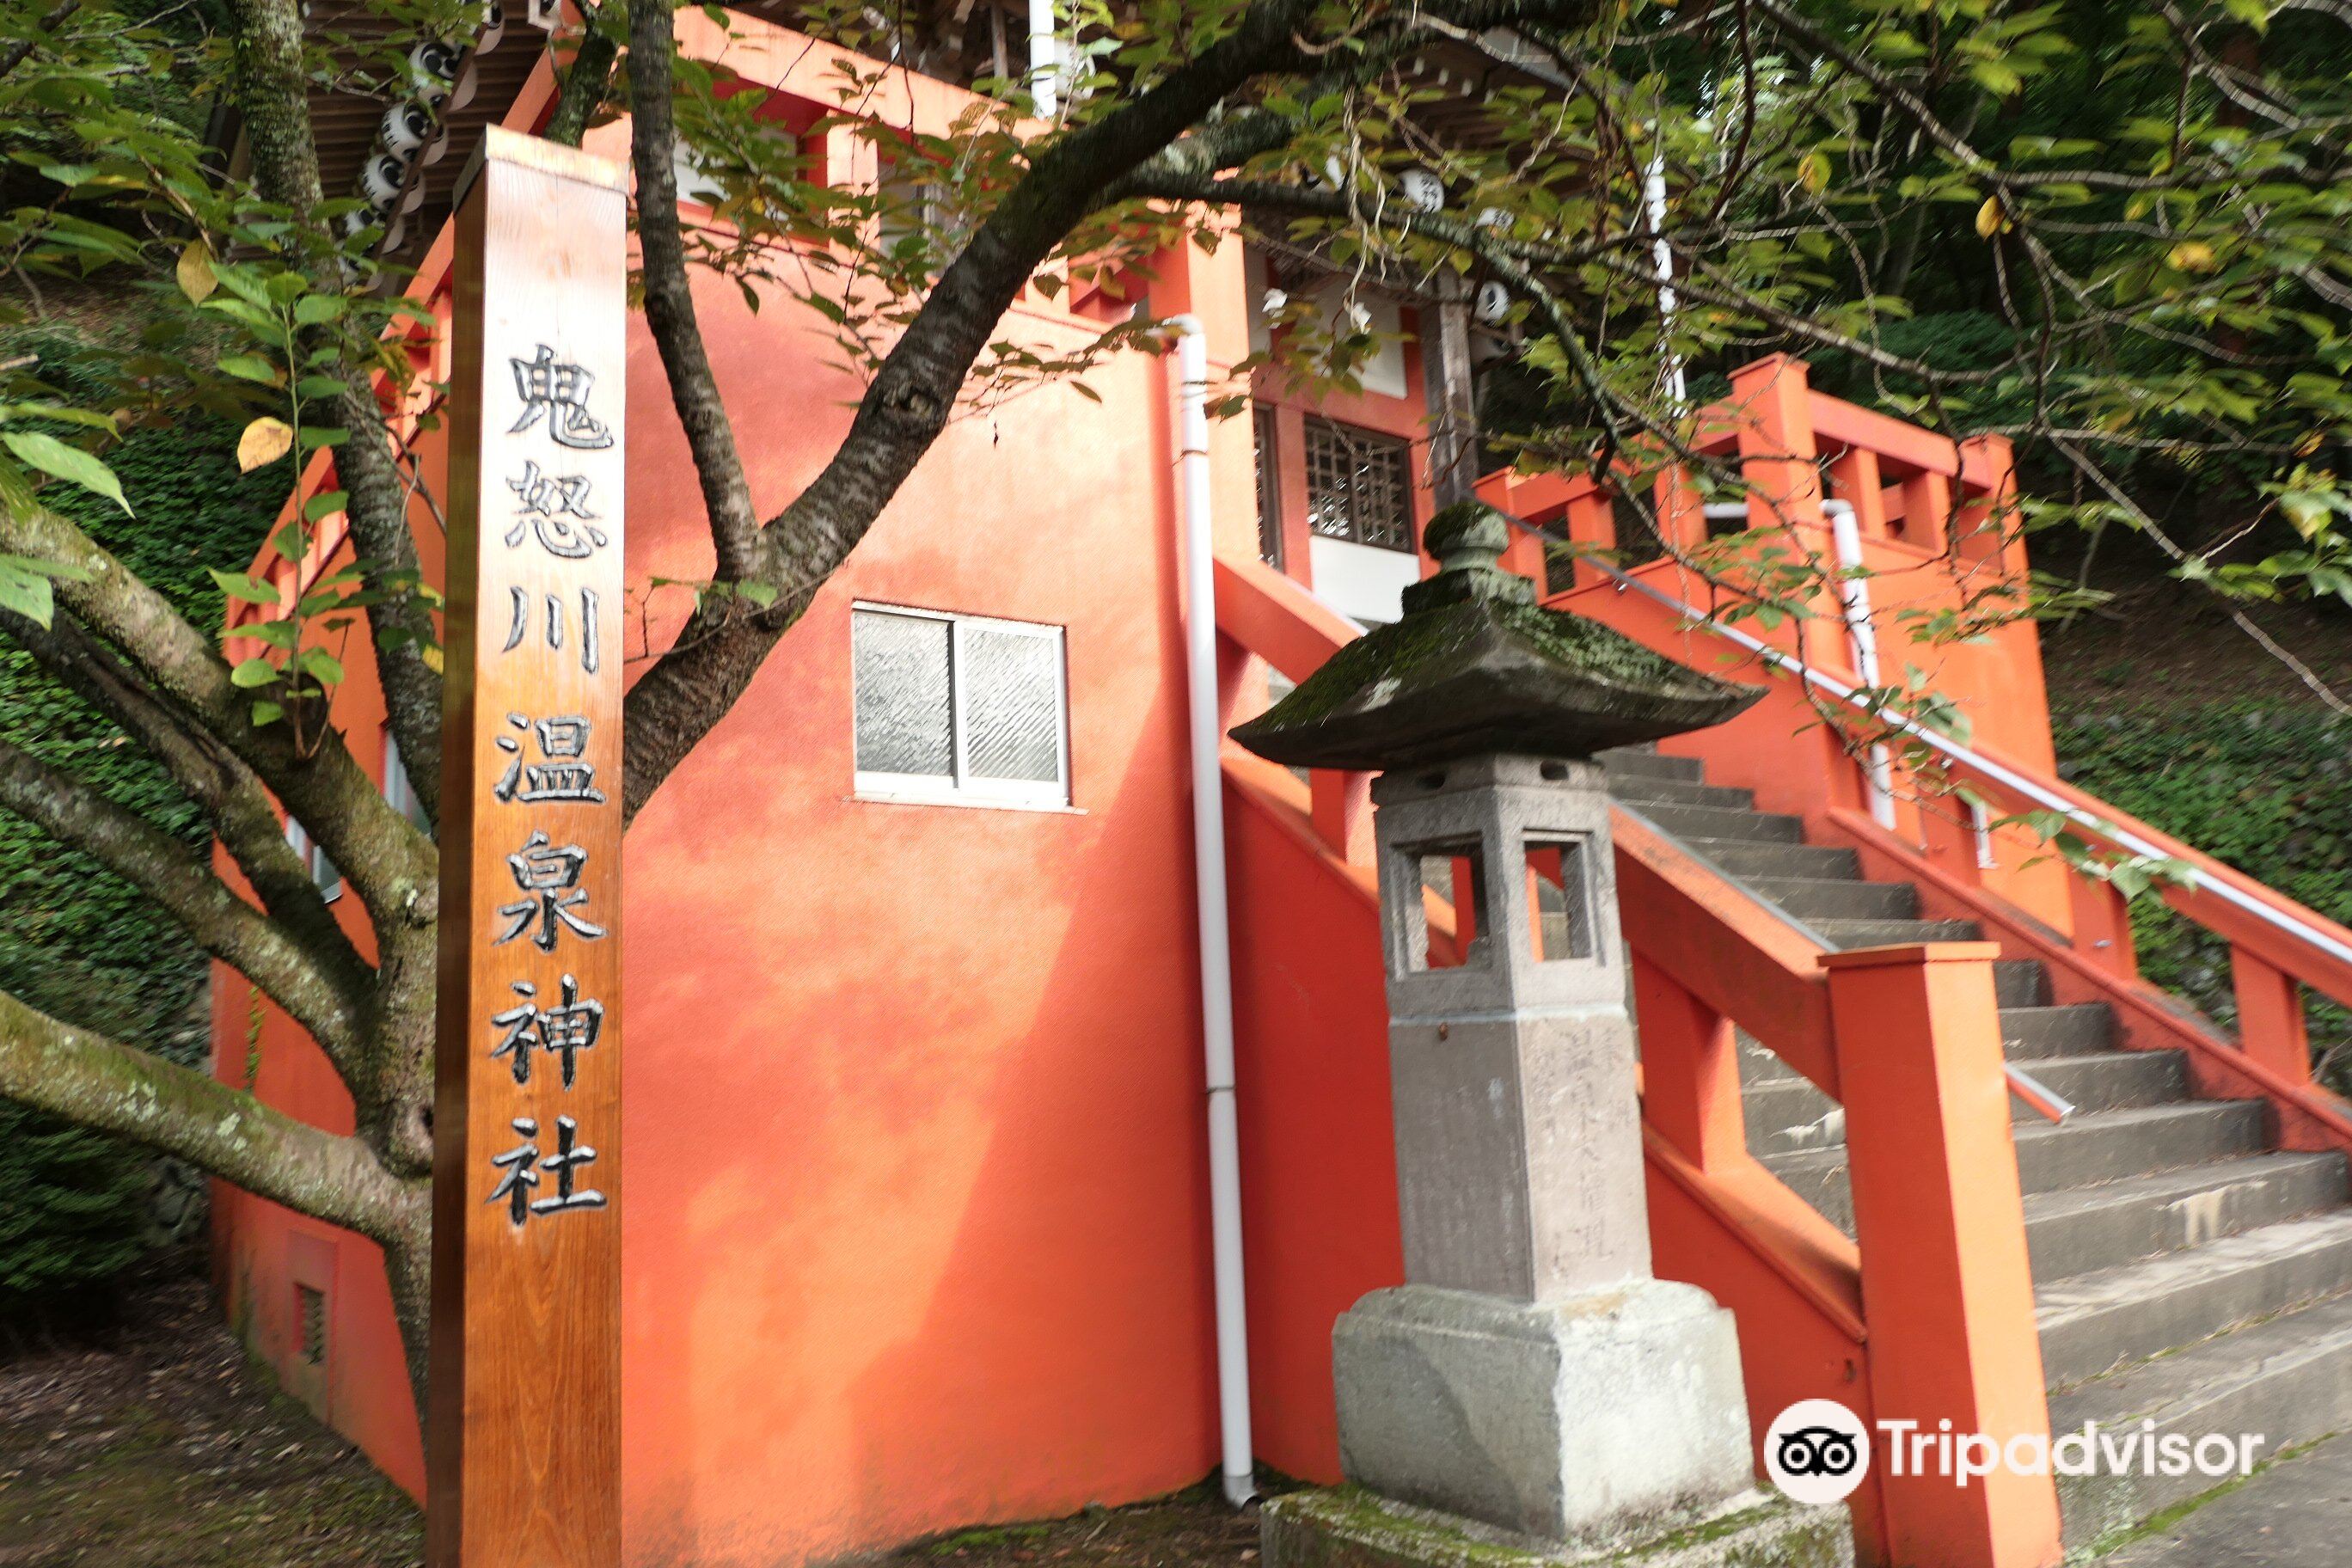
(1531, 1382)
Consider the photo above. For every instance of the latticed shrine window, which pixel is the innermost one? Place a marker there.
(1358, 486)
(1269, 487)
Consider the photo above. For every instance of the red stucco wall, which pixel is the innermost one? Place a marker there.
(915, 1233)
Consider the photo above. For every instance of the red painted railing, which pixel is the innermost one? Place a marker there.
(1926, 1316)
(1929, 517)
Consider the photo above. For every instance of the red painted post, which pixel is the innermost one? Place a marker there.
(1926, 510)
(2271, 1027)
(1341, 805)
(2102, 920)
(1984, 526)
(1940, 1221)
(1690, 1070)
(1592, 525)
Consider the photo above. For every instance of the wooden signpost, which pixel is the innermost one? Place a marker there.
(523, 1441)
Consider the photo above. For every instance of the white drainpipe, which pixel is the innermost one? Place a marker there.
(1044, 59)
(1209, 874)
(1662, 260)
(1853, 594)
(1862, 633)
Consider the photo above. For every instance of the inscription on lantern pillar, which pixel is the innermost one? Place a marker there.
(523, 1441)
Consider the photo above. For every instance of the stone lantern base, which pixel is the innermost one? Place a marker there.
(1347, 1526)
(1606, 1418)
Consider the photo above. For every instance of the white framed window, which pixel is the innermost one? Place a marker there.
(323, 875)
(959, 710)
(399, 791)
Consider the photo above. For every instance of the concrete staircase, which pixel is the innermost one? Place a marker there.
(2186, 1273)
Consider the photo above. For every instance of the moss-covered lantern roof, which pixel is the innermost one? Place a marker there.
(1476, 666)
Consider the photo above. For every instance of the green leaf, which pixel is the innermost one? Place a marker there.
(323, 436)
(271, 634)
(326, 503)
(24, 585)
(313, 309)
(318, 662)
(252, 672)
(71, 464)
(243, 586)
(250, 367)
(267, 713)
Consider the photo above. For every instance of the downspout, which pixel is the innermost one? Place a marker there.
(1044, 59)
(1662, 262)
(1209, 874)
(1862, 633)
(1853, 595)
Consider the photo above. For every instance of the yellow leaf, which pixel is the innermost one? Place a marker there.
(1990, 219)
(432, 657)
(195, 272)
(1813, 170)
(265, 441)
(2190, 255)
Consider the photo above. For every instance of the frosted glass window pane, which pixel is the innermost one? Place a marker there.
(1011, 708)
(899, 669)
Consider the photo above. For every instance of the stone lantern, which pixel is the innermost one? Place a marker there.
(1531, 1377)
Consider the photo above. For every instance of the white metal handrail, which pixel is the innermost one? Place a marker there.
(2046, 1102)
(2008, 778)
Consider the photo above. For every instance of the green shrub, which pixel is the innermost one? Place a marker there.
(2266, 790)
(76, 941)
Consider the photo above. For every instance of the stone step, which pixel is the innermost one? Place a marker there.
(2111, 1317)
(2086, 1230)
(1649, 792)
(2288, 1379)
(1746, 859)
(2020, 983)
(1627, 762)
(2029, 1033)
(1759, 1065)
(2098, 1146)
(1890, 933)
(2109, 1080)
(1789, 1114)
(1718, 822)
(1784, 1112)
(1810, 897)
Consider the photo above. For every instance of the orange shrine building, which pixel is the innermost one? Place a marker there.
(916, 1233)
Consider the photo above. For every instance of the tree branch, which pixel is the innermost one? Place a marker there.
(692, 686)
(15, 54)
(585, 82)
(98, 1083)
(71, 811)
(274, 95)
(670, 300)
(223, 788)
(391, 864)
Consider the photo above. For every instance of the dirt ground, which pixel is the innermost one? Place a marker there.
(2160, 643)
(155, 1443)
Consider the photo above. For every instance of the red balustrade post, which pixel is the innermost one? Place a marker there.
(2271, 1027)
(1690, 1070)
(1927, 508)
(2102, 920)
(1940, 1221)
(1341, 806)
